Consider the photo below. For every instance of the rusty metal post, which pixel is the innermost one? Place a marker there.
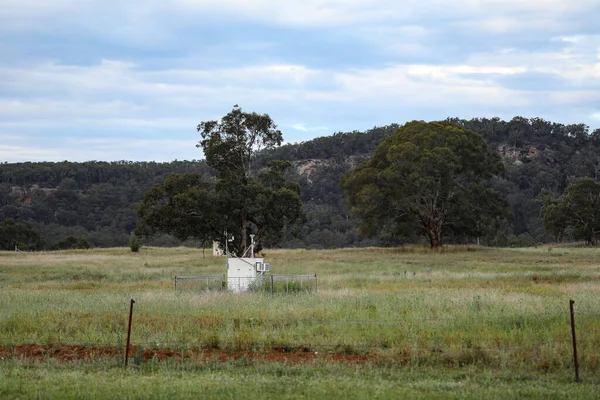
(272, 290)
(129, 331)
(175, 284)
(571, 303)
(316, 283)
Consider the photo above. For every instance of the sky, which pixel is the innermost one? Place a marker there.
(112, 80)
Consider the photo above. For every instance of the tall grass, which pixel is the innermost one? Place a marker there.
(499, 308)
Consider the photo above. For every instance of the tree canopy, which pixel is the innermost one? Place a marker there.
(429, 177)
(183, 206)
(577, 208)
(231, 143)
(17, 235)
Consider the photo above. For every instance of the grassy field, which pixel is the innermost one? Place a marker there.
(461, 323)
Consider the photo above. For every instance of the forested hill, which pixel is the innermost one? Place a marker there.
(93, 200)
(537, 155)
(96, 200)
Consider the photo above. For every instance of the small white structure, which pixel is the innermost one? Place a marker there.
(217, 251)
(244, 271)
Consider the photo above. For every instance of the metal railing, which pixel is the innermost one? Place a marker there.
(265, 283)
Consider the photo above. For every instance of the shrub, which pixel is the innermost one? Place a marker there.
(72, 242)
(84, 243)
(134, 243)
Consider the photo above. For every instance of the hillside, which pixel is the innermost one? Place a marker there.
(537, 155)
(97, 200)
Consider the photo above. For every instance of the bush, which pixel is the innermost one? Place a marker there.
(20, 235)
(84, 243)
(72, 242)
(134, 243)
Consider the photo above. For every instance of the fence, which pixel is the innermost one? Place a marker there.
(542, 340)
(266, 283)
(492, 353)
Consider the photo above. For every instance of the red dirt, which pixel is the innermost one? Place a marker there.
(67, 353)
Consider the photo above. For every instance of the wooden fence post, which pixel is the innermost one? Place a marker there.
(129, 331)
(571, 303)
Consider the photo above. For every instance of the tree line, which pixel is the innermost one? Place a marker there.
(98, 201)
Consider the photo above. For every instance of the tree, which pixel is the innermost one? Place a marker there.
(184, 206)
(555, 215)
(428, 176)
(17, 235)
(275, 204)
(578, 208)
(230, 144)
(72, 242)
(250, 203)
(241, 201)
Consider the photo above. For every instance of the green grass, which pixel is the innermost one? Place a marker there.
(497, 316)
(259, 380)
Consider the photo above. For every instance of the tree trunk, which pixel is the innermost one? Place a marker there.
(434, 233)
(244, 235)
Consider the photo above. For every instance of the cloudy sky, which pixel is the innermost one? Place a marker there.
(131, 79)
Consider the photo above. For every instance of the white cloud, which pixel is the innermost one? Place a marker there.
(446, 72)
(122, 94)
(380, 61)
(303, 128)
(299, 127)
(134, 20)
(345, 12)
(29, 153)
(107, 149)
(54, 109)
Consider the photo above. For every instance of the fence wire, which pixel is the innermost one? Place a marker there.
(473, 337)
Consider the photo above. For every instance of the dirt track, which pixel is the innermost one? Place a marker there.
(67, 353)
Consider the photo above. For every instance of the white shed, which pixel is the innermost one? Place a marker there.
(241, 272)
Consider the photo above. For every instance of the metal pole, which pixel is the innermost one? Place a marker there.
(316, 284)
(129, 331)
(571, 303)
(175, 284)
(271, 285)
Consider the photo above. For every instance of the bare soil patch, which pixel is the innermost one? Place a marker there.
(69, 353)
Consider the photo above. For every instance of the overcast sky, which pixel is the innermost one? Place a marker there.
(131, 79)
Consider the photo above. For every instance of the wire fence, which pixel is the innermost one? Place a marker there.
(387, 341)
(262, 283)
(542, 340)
(181, 329)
